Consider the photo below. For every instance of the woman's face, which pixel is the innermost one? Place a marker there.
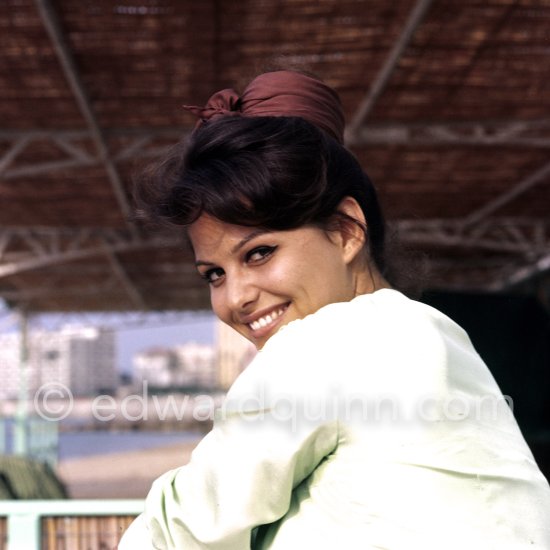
(261, 280)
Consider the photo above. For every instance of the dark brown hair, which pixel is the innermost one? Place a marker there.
(279, 173)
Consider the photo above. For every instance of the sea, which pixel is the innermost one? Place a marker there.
(87, 443)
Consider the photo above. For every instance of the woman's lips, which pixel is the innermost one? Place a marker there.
(264, 324)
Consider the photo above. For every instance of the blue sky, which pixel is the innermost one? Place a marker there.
(135, 332)
(134, 339)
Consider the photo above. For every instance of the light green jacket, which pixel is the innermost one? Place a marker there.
(371, 424)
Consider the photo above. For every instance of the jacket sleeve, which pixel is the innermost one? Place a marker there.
(242, 474)
(136, 537)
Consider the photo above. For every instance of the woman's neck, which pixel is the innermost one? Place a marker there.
(369, 280)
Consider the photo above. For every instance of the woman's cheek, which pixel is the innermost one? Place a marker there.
(217, 304)
(278, 277)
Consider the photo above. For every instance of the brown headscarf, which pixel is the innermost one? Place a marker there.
(279, 93)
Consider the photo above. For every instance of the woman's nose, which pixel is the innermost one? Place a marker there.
(242, 293)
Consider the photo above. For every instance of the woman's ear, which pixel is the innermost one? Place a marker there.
(351, 227)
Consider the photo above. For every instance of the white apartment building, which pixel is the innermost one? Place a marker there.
(198, 362)
(158, 367)
(234, 353)
(186, 365)
(82, 359)
(196, 365)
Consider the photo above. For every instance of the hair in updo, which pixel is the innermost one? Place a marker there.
(278, 173)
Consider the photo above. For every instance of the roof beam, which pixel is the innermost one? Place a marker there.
(42, 247)
(31, 248)
(41, 168)
(65, 57)
(77, 157)
(469, 133)
(28, 259)
(29, 294)
(522, 236)
(522, 133)
(523, 274)
(71, 149)
(12, 152)
(138, 317)
(415, 19)
(4, 242)
(172, 132)
(121, 274)
(539, 176)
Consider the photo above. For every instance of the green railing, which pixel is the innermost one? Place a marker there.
(71, 524)
(30, 436)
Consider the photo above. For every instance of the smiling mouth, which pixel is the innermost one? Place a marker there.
(268, 319)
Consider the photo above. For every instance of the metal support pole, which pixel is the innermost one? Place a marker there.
(24, 531)
(20, 440)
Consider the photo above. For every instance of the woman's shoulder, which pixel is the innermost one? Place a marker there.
(385, 313)
(379, 332)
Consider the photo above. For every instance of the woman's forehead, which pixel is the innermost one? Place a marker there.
(209, 234)
(208, 227)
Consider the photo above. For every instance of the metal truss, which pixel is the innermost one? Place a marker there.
(519, 275)
(517, 249)
(32, 248)
(125, 320)
(416, 17)
(527, 237)
(140, 143)
(25, 249)
(107, 320)
(539, 176)
(527, 133)
(480, 275)
(51, 291)
(480, 133)
(72, 153)
(65, 57)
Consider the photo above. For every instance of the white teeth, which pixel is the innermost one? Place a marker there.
(266, 320)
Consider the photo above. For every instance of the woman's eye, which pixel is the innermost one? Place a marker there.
(260, 253)
(213, 275)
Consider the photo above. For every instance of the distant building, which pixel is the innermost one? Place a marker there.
(89, 356)
(158, 366)
(234, 353)
(10, 366)
(196, 365)
(187, 365)
(82, 359)
(198, 362)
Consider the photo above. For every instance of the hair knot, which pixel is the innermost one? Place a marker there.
(280, 93)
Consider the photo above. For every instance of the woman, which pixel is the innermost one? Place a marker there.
(367, 420)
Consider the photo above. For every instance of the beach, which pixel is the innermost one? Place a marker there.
(127, 474)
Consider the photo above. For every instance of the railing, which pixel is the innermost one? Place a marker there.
(65, 524)
(31, 436)
(43, 440)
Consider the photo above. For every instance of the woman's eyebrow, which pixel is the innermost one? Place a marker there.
(248, 238)
(238, 246)
(198, 263)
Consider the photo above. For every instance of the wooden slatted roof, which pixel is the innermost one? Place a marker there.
(448, 109)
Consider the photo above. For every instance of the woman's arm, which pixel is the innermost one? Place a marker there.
(137, 536)
(277, 424)
(240, 476)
